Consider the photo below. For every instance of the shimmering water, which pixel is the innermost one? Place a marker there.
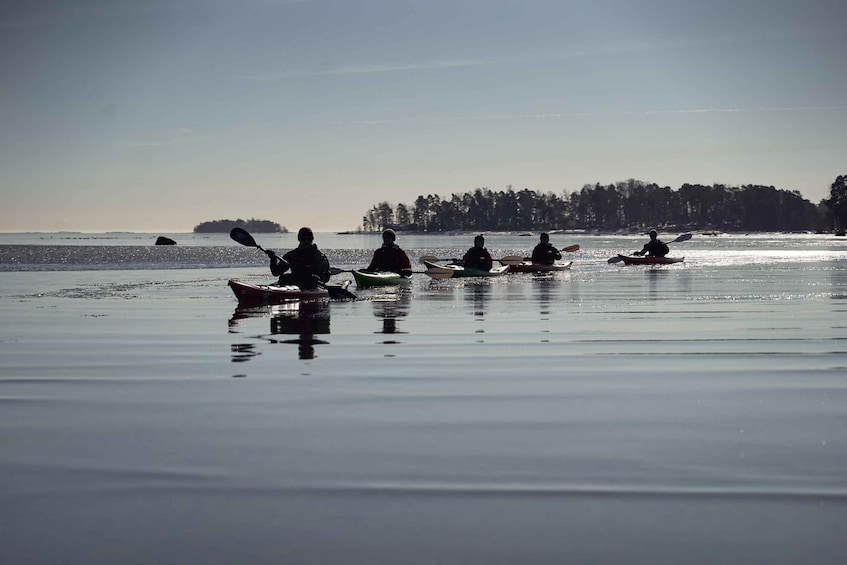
(693, 413)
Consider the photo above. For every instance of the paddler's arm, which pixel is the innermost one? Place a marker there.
(278, 264)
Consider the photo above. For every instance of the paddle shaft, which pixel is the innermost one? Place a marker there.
(337, 271)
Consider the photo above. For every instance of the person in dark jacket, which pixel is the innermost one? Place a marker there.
(655, 247)
(545, 253)
(477, 257)
(389, 257)
(309, 266)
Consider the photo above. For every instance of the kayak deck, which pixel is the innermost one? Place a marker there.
(530, 267)
(437, 271)
(379, 278)
(249, 294)
(631, 260)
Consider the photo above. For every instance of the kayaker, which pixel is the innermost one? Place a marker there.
(477, 257)
(544, 253)
(309, 266)
(389, 257)
(655, 247)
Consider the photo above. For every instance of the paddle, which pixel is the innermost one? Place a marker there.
(512, 260)
(336, 292)
(683, 237)
(434, 259)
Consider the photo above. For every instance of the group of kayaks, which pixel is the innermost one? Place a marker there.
(264, 294)
(249, 294)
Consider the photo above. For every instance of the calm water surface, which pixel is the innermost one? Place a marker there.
(695, 413)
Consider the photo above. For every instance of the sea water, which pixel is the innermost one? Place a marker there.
(691, 413)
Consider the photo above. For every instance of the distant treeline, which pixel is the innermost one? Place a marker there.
(627, 205)
(251, 225)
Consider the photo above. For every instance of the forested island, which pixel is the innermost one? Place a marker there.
(251, 225)
(623, 206)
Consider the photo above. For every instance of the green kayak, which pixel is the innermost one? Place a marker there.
(365, 279)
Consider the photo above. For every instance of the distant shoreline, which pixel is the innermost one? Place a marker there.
(154, 234)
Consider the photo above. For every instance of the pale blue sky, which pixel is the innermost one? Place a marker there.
(157, 115)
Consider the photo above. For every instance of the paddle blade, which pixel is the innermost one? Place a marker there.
(570, 248)
(439, 273)
(434, 259)
(683, 237)
(615, 259)
(337, 271)
(340, 292)
(243, 237)
(511, 260)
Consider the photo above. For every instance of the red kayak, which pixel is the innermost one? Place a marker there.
(264, 294)
(648, 260)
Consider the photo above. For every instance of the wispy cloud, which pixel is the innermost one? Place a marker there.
(574, 52)
(567, 52)
(366, 69)
(570, 115)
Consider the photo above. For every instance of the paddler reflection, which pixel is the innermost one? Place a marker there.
(389, 309)
(310, 319)
(304, 319)
(478, 293)
(542, 289)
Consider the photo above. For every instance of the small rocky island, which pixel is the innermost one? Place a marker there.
(251, 225)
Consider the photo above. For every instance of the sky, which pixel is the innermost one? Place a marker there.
(156, 115)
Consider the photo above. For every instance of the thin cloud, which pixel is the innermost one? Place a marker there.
(367, 69)
(565, 53)
(569, 115)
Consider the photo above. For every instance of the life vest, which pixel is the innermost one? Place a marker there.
(390, 259)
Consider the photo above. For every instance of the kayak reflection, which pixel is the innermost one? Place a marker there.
(306, 320)
(389, 309)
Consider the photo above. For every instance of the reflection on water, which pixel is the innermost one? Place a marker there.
(664, 283)
(654, 275)
(478, 295)
(542, 286)
(243, 352)
(306, 320)
(390, 308)
(542, 289)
